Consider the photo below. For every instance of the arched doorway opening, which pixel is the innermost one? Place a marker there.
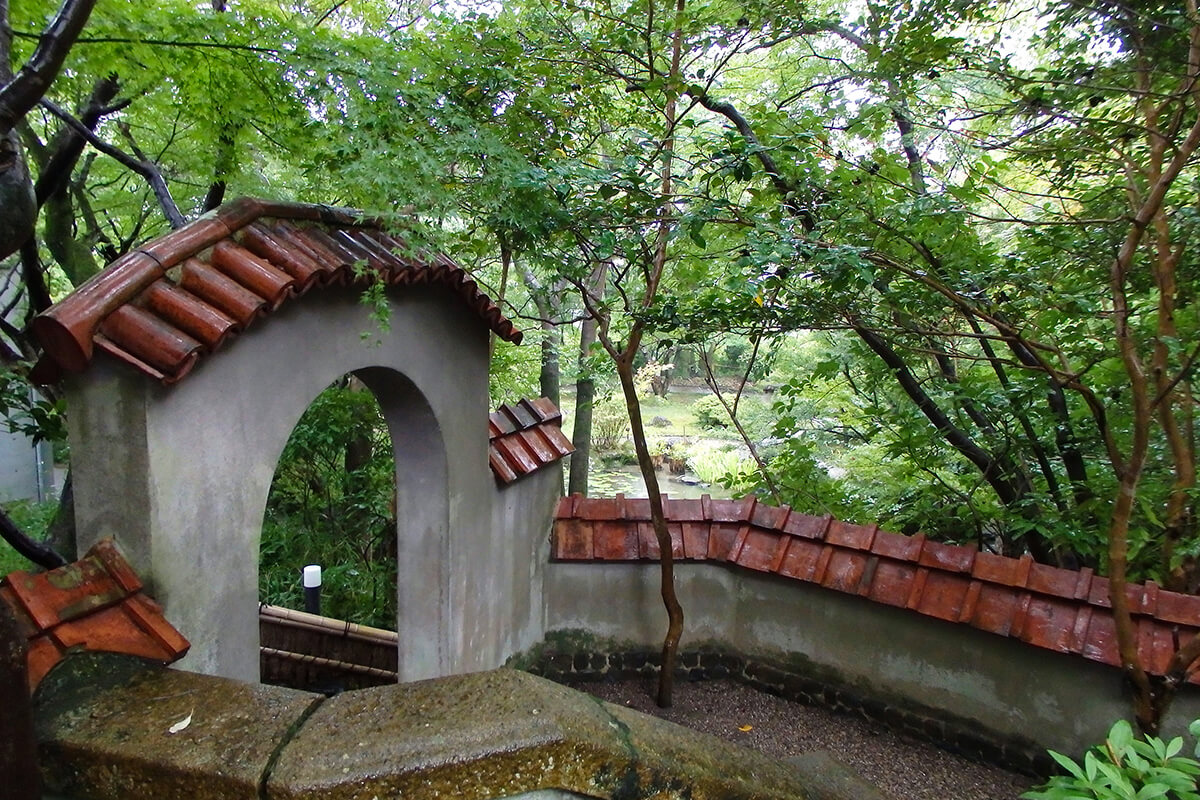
(332, 503)
(366, 447)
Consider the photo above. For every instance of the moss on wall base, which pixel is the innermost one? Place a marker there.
(576, 656)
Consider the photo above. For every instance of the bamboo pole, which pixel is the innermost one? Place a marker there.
(329, 663)
(286, 617)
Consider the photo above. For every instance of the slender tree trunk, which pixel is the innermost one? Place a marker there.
(550, 375)
(670, 650)
(585, 399)
(666, 559)
(585, 392)
(506, 258)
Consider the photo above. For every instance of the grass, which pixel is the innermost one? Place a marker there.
(32, 518)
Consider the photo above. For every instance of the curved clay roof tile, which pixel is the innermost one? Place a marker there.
(188, 313)
(162, 306)
(259, 240)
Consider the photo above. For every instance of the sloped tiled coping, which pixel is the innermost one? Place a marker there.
(525, 437)
(1056, 609)
(110, 728)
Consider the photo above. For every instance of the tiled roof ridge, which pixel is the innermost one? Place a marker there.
(95, 603)
(163, 305)
(1057, 609)
(524, 438)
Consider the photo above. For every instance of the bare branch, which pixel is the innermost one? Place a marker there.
(146, 169)
(23, 92)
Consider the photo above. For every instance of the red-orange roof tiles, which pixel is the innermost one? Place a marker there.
(525, 437)
(171, 301)
(1062, 610)
(95, 603)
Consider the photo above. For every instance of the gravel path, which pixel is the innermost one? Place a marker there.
(904, 768)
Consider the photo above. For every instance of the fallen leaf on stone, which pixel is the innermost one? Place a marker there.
(183, 723)
(744, 728)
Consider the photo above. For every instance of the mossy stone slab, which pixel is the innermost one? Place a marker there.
(113, 728)
(503, 733)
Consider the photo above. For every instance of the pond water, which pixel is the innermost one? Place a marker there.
(604, 481)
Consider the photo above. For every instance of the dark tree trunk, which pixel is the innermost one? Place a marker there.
(18, 204)
(19, 94)
(60, 535)
(585, 399)
(18, 748)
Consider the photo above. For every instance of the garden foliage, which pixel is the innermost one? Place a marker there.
(332, 504)
(1126, 767)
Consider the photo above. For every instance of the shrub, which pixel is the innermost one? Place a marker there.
(710, 414)
(331, 503)
(610, 423)
(1126, 768)
(726, 466)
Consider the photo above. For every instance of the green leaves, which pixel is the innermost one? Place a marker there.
(27, 412)
(1126, 767)
(331, 504)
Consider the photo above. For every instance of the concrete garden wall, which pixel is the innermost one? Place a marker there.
(891, 657)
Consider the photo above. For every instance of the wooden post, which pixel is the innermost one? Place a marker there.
(18, 749)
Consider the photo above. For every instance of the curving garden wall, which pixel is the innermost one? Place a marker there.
(1021, 651)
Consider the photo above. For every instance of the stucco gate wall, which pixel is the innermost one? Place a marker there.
(179, 476)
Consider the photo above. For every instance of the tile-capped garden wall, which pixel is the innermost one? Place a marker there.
(1055, 609)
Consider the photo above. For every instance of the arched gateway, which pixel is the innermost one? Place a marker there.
(179, 475)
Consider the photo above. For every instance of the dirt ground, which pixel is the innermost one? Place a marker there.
(904, 768)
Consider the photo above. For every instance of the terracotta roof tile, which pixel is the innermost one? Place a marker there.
(843, 570)
(757, 549)
(615, 541)
(809, 527)
(695, 540)
(1055, 609)
(892, 582)
(721, 537)
(183, 295)
(525, 438)
(843, 534)
(685, 510)
(800, 561)
(95, 603)
(943, 595)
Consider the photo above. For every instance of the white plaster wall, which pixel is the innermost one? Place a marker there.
(508, 615)
(26, 469)
(179, 475)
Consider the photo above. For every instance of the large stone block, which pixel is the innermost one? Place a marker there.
(117, 728)
(504, 733)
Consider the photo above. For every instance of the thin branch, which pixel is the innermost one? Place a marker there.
(146, 169)
(161, 43)
(22, 93)
(37, 553)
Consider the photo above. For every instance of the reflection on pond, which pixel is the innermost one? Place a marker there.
(606, 481)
